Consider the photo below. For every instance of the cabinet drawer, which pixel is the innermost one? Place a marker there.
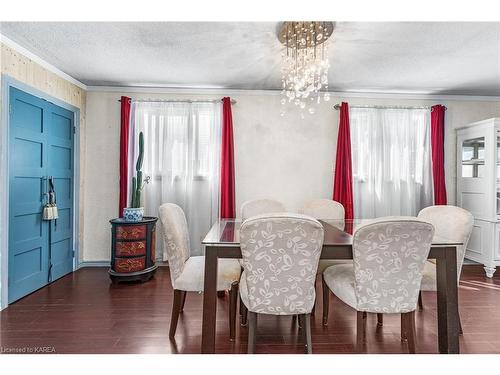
(130, 264)
(132, 248)
(131, 232)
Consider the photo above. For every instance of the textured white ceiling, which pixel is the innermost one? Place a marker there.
(444, 57)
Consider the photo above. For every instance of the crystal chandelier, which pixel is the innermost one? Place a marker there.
(305, 63)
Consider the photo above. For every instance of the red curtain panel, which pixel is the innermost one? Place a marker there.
(124, 134)
(227, 196)
(342, 185)
(437, 144)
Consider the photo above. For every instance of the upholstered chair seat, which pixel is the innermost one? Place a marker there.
(193, 274)
(388, 263)
(187, 272)
(340, 280)
(451, 223)
(280, 259)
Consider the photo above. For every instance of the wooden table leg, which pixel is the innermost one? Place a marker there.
(447, 301)
(209, 301)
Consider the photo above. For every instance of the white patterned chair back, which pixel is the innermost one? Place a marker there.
(260, 207)
(326, 209)
(280, 257)
(451, 223)
(389, 257)
(175, 238)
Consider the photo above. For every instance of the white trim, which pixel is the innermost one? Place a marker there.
(220, 91)
(483, 123)
(94, 263)
(40, 61)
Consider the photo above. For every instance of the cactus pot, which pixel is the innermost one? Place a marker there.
(133, 214)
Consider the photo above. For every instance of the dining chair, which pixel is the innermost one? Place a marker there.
(451, 223)
(252, 208)
(280, 255)
(259, 207)
(388, 262)
(324, 209)
(187, 272)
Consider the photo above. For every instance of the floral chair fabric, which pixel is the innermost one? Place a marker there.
(389, 257)
(452, 223)
(280, 259)
(186, 272)
(259, 207)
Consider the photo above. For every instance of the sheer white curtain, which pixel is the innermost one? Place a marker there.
(182, 156)
(391, 157)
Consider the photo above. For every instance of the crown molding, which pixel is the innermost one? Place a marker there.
(37, 59)
(244, 92)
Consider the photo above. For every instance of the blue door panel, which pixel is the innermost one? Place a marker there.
(27, 115)
(62, 126)
(36, 128)
(60, 167)
(28, 246)
(28, 263)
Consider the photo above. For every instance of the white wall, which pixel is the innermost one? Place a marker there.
(285, 158)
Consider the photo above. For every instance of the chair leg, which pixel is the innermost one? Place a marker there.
(176, 309)
(380, 319)
(420, 302)
(410, 331)
(184, 294)
(243, 313)
(252, 331)
(460, 330)
(403, 328)
(233, 302)
(326, 300)
(360, 330)
(306, 322)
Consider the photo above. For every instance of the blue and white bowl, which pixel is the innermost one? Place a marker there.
(133, 214)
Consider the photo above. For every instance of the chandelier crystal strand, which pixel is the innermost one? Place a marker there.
(305, 63)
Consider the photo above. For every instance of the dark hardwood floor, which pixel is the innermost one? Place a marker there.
(84, 313)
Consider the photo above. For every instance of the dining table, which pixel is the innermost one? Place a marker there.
(223, 241)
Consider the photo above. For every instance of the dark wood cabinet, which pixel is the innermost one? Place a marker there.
(133, 249)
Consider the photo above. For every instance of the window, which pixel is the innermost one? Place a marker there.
(473, 157)
(391, 161)
(181, 154)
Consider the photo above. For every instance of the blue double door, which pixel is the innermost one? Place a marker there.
(41, 136)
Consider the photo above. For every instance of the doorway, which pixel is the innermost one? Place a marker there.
(41, 149)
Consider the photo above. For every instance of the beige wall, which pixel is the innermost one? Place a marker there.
(278, 157)
(25, 70)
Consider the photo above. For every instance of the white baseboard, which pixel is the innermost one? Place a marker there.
(96, 263)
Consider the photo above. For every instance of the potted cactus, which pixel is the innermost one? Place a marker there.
(135, 212)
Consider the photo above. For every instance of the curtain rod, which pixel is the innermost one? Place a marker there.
(178, 101)
(337, 107)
